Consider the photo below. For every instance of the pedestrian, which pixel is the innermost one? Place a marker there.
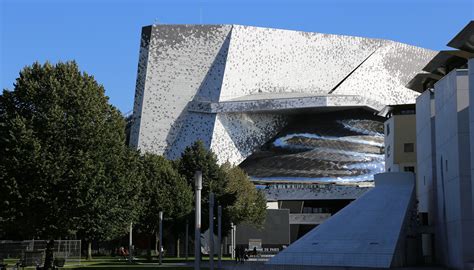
(49, 256)
(237, 254)
(122, 253)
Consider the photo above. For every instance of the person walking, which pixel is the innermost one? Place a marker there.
(242, 255)
(237, 254)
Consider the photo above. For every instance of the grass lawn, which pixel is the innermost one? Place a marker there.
(102, 263)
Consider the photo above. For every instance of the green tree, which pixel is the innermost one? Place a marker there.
(249, 204)
(112, 200)
(231, 186)
(197, 157)
(64, 166)
(165, 190)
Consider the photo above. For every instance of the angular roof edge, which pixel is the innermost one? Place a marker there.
(290, 30)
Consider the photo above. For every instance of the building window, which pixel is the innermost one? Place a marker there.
(408, 147)
(387, 129)
(388, 151)
(409, 169)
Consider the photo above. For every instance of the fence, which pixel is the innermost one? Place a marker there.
(32, 251)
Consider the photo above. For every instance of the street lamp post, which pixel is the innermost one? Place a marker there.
(211, 231)
(130, 246)
(232, 241)
(161, 236)
(219, 236)
(187, 240)
(197, 231)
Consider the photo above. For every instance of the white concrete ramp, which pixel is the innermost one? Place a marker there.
(366, 233)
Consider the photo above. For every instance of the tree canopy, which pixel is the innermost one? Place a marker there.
(249, 204)
(64, 166)
(240, 200)
(164, 190)
(65, 169)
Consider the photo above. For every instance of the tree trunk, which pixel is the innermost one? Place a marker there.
(148, 253)
(157, 240)
(89, 250)
(177, 248)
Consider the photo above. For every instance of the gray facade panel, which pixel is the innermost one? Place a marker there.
(453, 170)
(275, 231)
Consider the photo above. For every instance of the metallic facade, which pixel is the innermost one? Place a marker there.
(234, 87)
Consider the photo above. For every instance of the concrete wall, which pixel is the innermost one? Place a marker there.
(369, 232)
(426, 174)
(425, 154)
(454, 171)
(405, 132)
(471, 123)
(402, 130)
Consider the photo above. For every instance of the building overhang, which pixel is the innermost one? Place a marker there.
(445, 61)
(423, 81)
(285, 102)
(464, 40)
(400, 109)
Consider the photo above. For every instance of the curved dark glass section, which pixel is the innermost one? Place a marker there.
(345, 146)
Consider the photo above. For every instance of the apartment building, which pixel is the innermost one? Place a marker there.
(444, 141)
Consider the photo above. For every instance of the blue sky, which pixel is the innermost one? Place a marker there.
(103, 35)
